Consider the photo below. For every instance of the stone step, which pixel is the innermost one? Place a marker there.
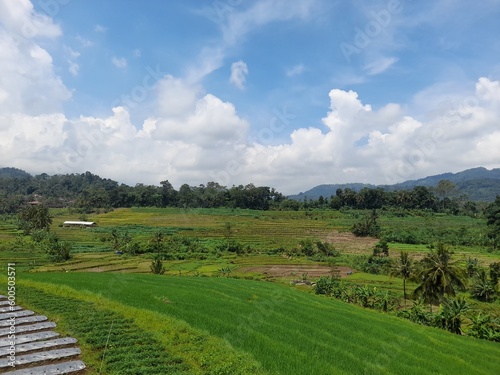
(37, 345)
(23, 320)
(27, 328)
(57, 369)
(10, 309)
(16, 314)
(21, 339)
(48, 355)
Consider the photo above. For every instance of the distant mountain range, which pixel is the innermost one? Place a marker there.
(479, 184)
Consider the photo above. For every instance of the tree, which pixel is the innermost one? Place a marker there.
(367, 226)
(403, 269)
(444, 188)
(439, 275)
(492, 214)
(36, 217)
(381, 249)
(482, 288)
(57, 251)
(157, 242)
(157, 266)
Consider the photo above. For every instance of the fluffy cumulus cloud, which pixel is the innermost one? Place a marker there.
(194, 136)
(28, 83)
(387, 145)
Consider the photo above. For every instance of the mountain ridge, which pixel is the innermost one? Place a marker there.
(479, 184)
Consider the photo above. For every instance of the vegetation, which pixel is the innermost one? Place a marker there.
(285, 330)
(439, 276)
(404, 269)
(370, 248)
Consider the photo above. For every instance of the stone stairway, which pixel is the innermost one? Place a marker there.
(38, 349)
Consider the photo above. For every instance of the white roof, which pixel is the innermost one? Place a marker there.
(79, 222)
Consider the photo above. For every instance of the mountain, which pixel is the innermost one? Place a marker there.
(328, 190)
(479, 184)
(13, 173)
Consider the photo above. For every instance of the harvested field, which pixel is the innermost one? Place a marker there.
(285, 270)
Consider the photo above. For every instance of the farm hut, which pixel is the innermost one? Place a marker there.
(81, 224)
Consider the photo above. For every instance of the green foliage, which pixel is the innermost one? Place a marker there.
(418, 314)
(451, 314)
(492, 214)
(289, 331)
(367, 226)
(381, 249)
(325, 285)
(484, 327)
(316, 250)
(472, 267)
(34, 217)
(439, 275)
(495, 273)
(482, 288)
(58, 251)
(157, 266)
(404, 269)
(372, 264)
(225, 271)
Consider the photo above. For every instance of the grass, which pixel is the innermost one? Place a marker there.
(287, 331)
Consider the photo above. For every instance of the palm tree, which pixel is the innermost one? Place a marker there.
(482, 288)
(404, 269)
(439, 276)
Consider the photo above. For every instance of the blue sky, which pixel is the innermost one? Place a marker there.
(288, 94)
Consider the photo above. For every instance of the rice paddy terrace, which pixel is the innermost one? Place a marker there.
(229, 326)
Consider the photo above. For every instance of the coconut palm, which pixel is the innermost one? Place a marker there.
(439, 276)
(404, 269)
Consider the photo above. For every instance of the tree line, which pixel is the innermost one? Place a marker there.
(88, 191)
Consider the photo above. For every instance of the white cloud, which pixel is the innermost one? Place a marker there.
(119, 62)
(237, 22)
(84, 42)
(100, 29)
(71, 56)
(28, 78)
(20, 18)
(194, 137)
(295, 70)
(239, 71)
(380, 65)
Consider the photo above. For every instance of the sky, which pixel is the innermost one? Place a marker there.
(282, 93)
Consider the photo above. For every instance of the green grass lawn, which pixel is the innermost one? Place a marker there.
(287, 331)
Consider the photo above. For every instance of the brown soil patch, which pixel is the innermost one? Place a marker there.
(349, 243)
(281, 270)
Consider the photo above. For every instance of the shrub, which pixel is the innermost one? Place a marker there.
(325, 285)
(157, 266)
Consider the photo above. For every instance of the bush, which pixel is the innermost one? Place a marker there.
(58, 251)
(325, 285)
(368, 226)
(157, 266)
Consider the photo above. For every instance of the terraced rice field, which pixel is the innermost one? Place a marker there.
(284, 330)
